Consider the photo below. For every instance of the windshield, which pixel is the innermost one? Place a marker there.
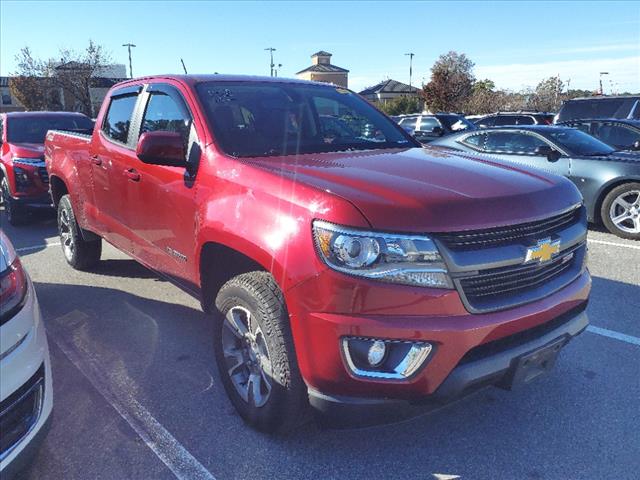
(579, 143)
(456, 123)
(600, 107)
(33, 129)
(261, 119)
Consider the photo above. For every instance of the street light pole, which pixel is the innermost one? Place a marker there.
(601, 90)
(271, 50)
(410, 55)
(129, 45)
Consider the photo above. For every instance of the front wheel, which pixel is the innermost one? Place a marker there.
(15, 215)
(80, 253)
(255, 353)
(621, 211)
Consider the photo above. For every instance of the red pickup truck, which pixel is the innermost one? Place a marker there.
(24, 184)
(346, 267)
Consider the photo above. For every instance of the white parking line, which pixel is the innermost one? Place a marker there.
(612, 334)
(613, 244)
(38, 247)
(116, 392)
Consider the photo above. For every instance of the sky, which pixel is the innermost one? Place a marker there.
(515, 44)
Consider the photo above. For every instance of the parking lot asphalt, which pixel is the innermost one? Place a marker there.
(137, 394)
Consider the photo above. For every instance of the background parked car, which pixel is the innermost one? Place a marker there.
(608, 180)
(24, 183)
(26, 395)
(620, 134)
(622, 106)
(428, 127)
(515, 118)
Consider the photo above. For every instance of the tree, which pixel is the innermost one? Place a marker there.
(39, 84)
(75, 72)
(451, 83)
(484, 99)
(547, 97)
(400, 105)
(31, 84)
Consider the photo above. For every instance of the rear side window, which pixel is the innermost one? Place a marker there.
(486, 122)
(475, 141)
(118, 119)
(428, 123)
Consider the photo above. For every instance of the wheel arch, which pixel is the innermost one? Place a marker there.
(604, 191)
(58, 189)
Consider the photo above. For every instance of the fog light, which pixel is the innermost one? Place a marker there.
(384, 359)
(376, 352)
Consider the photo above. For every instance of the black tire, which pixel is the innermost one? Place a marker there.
(285, 405)
(611, 208)
(15, 215)
(79, 253)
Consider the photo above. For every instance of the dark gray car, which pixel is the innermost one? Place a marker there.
(608, 179)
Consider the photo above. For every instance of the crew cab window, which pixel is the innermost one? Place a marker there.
(118, 118)
(512, 142)
(164, 113)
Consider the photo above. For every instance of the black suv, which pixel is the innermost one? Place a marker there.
(501, 119)
(620, 134)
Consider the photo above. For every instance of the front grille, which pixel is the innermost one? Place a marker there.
(503, 287)
(43, 174)
(495, 237)
(20, 411)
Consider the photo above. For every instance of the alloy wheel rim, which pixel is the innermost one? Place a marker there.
(625, 211)
(247, 356)
(66, 237)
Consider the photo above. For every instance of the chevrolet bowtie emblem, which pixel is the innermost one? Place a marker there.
(543, 251)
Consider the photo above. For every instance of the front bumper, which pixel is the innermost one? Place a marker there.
(33, 201)
(17, 367)
(490, 364)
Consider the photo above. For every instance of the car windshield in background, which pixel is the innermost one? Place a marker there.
(263, 119)
(579, 143)
(456, 123)
(33, 129)
(601, 107)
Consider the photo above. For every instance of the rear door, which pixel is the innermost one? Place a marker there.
(162, 208)
(112, 154)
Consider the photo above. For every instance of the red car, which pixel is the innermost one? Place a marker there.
(23, 176)
(346, 268)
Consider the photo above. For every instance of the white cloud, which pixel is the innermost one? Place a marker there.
(624, 73)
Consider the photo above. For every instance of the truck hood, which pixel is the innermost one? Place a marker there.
(429, 190)
(27, 150)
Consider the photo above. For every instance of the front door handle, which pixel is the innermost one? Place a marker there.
(96, 160)
(132, 174)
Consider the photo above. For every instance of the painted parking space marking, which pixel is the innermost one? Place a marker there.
(116, 391)
(614, 244)
(613, 334)
(38, 247)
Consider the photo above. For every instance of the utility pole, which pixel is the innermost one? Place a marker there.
(601, 90)
(410, 55)
(271, 50)
(129, 45)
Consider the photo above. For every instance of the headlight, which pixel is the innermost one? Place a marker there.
(405, 259)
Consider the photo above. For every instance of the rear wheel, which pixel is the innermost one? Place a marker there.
(255, 353)
(15, 214)
(80, 253)
(621, 211)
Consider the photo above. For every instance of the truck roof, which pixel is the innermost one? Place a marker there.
(194, 79)
(41, 113)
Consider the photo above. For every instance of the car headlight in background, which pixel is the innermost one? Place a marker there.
(405, 259)
(21, 176)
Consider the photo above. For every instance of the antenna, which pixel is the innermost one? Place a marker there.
(183, 67)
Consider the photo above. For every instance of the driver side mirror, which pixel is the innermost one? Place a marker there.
(546, 151)
(162, 148)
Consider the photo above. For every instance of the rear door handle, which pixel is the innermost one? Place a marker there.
(96, 160)
(132, 174)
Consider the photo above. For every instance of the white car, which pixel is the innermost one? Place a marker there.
(26, 395)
